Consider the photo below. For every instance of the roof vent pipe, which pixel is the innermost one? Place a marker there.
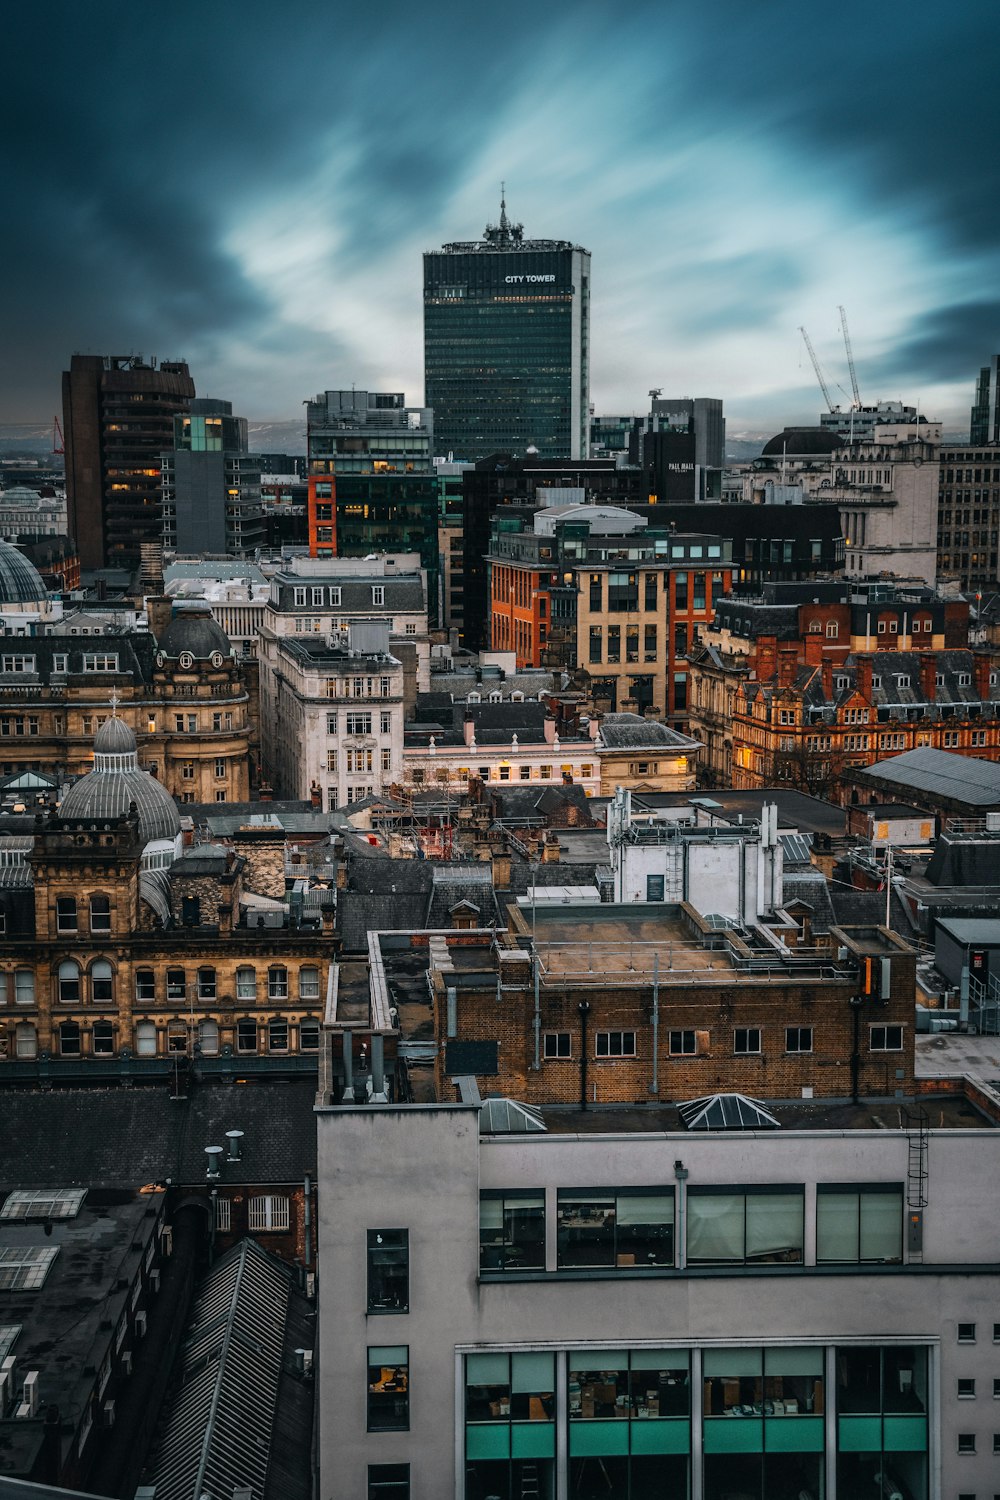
(235, 1139)
(214, 1154)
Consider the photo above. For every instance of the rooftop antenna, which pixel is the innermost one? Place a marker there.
(503, 208)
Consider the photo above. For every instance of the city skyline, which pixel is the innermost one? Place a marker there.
(255, 199)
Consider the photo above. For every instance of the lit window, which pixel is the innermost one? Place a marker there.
(389, 1388)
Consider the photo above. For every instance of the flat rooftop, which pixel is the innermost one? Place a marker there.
(944, 1112)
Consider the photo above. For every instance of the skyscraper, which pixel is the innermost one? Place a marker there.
(118, 416)
(984, 426)
(507, 344)
(211, 484)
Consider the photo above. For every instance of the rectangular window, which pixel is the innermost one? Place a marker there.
(966, 1442)
(858, 1225)
(885, 1039)
(557, 1044)
(359, 723)
(309, 1036)
(798, 1039)
(614, 643)
(745, 1227)
(512, 1231)
(246, 1036)
(682, 1043)
(389, 1388)
(966, 1333)
(388, 1482)
(269, 1214)
(620, 1229)
(966, 1390)
(614, 1044)
(378, 594)
(388, 1270)
(65, 914)
(309, 983)
(746, 1039)
(385, 725)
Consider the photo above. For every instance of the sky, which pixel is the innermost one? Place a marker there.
(250, 187)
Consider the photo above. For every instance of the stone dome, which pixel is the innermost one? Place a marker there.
(20, 580)
(802, 442)
(116, 782)
(194, 630)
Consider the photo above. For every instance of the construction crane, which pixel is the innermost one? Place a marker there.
(58, 441)
(850, 360)
(819, 373)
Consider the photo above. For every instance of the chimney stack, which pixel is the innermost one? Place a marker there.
(766, 657)
(826, 669)
(928, 675)
(981, 676)
(159, 612)
(863, 677)
(813, 656)
(788, 663)
(235, 1139)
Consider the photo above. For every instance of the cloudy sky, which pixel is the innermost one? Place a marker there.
(250, 186)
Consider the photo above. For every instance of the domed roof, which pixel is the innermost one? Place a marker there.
(195, 630)
(802, 442)
(20, 581)
(116, 782)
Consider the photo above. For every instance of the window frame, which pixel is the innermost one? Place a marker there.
(611, 1056)
(398, 1409)
(557, 1054)
(376, 1244)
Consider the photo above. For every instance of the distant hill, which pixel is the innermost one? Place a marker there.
(278, 437)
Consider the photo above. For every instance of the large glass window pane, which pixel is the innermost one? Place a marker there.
(774, 1227)
(793, 1382)
(734, 1474)
(645, 1229)
(585, 1229)
(881, 1227)
(599, 1477)
(532, 1387)
(388, 1482)
(512, 1232)
(600, 1389)
(733, 1383)
(904, 1380)
(487, 1388)
(859, 1381)
(836, 1226)
(389, 1388)
(660, 1383)
(388, 1270)
(715, 1227)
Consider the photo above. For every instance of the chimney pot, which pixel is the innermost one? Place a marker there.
(235, 1139)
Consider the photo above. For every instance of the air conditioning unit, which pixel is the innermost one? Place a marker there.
(154, 1280)
(140, 1325)
(109, 1413)
(127, 1362)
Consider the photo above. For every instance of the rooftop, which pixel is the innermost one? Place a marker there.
(957, 778)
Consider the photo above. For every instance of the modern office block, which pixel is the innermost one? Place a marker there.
(211, 484)
(506, 344)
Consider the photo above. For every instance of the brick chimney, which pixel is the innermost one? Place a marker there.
(788, 663)
(159, 613)
(316, 796)
(928, 675)
(766, 657)
(863, 677)
(813, 647)
(469, 729)
(550, 849)
(549, 725)
(981, 675)
(826, 668)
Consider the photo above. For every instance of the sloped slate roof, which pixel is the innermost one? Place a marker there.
(226, 1408)
(959, 777)
(628, 730)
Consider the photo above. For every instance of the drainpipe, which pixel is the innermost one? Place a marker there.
(963, 999)
(307, 1222)
(655, 1085)
(379, 1095)
(538, 1017)
(680, 1251)
(584, 1010)
(347, 1038)
(856, 1002)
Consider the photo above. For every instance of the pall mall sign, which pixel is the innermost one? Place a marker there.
(517, 280)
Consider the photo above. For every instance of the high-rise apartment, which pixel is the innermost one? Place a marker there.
(506, 344)
(984, 424)
(211, 484)
(118, 416)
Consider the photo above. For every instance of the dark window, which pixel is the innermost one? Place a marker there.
(66, 914)
(614, 1044)
(388, 1270)
(966, 1442)
(69, 983)
(966, 1333)
(309, 1036)
(104, 1038)
(206, 984)
(389, 1388)
(557, 1044)
(682, 1044)
(886, 1039)
(512, 1231)
(145, 984)
(69, 1039)
(100, 914)
(102, 984)
(798, 1039)
(388, 1482)
(620, 1229)
(966, 1389)
(190, 911)
(746, 1039)
(176, 984)
(246, 1036)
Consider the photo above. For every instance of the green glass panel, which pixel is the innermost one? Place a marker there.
(488, 1440)
(661, 1435)
(533, 1440)
(591, 1439)
(793, 1435)
(734, 1435)
(860, 1434)
(904, 1434)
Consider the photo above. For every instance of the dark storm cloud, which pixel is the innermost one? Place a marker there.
(138, 140)
(937, 348)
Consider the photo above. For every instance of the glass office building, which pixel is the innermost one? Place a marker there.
(506, 345)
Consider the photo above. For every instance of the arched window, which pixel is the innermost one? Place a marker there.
(27, 1040)
(815, 625)
(277, 984)
(100, 914)
(832, 630)
(145, 984)
(246, 984)
(208, 1038)
(104, 1039)
(69, 1039)
(69, 982)
(309, 983)
(24, 987)
(102, 984)
(145, 1039)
